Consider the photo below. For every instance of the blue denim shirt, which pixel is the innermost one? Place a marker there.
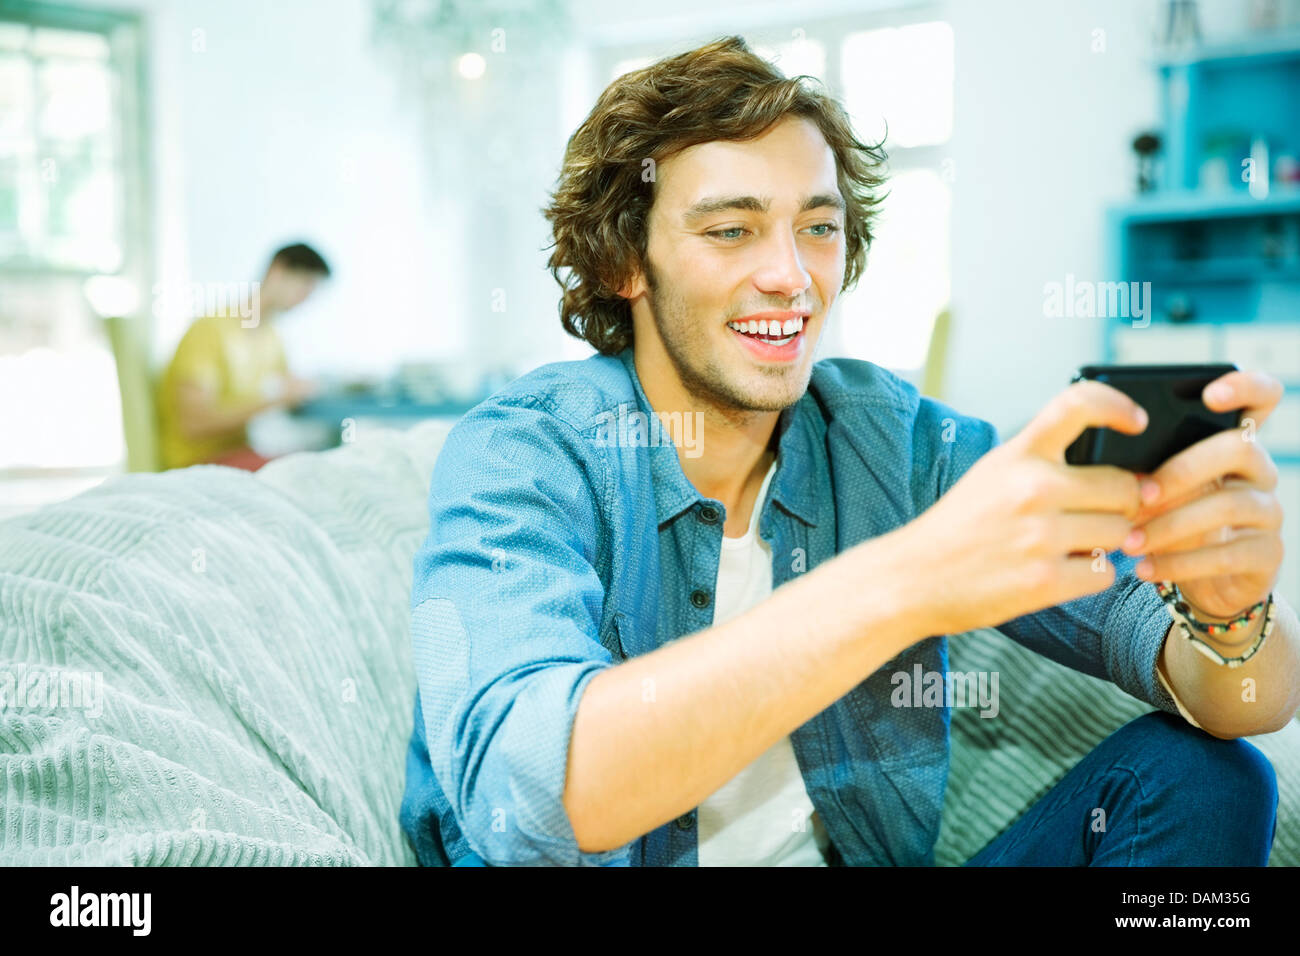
(554, 553)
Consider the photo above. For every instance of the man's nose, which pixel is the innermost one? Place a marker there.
(782, 271)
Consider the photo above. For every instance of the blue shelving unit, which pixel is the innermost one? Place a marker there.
(1222, 259)
(1212, 259)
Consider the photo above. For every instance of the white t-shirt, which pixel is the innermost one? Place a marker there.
(763, 815)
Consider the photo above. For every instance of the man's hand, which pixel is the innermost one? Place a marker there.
(288, 391)
(298, 390)
(1022, 530)
(1216, 526)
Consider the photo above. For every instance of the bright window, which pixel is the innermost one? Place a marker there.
(70, 207)
(61, 182)
(901, 78)
(888, 317)
(799, 56)
(628, 65)
(899, 81)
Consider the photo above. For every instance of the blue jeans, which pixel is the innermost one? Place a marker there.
(1156, 792)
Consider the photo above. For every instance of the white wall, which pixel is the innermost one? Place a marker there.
(280, 121)
(1040, 145)
(290, 124)
(293, 128)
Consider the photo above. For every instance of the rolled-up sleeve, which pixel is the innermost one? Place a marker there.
(1116, 634)
(506, 605)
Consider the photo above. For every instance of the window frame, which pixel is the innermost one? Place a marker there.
(126, 37)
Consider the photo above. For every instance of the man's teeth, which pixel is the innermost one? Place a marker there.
(773, 328)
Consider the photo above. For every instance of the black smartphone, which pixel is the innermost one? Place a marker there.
(1177, 417)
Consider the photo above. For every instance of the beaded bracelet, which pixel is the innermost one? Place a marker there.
(1187, 622)
(1173, 597)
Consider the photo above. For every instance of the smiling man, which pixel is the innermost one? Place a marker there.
(632, 654)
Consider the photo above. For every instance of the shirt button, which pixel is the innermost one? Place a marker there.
(709, 514)
(686, 821)
(700, 598)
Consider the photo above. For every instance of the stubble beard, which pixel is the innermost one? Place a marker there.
(769, 388)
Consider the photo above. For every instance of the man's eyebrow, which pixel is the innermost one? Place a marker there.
(834, 200)
(714, 204)
(711, 204)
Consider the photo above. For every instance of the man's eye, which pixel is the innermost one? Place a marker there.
(830, 227)
(726, 233)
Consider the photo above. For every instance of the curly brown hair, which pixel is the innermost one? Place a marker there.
(720, 91)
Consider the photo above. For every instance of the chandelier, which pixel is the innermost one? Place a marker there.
(442, 41)
(482, 73)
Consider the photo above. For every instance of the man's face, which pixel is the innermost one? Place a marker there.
(742, 232)
(284, 289)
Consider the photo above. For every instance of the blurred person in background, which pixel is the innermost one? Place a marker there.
(225, 371)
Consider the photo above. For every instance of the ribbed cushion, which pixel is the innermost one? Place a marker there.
(251, 636)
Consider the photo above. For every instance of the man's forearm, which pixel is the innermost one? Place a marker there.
(200, 421)
(657, 734)
(1258, 697)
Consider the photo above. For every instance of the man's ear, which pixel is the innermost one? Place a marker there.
(634, 287)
